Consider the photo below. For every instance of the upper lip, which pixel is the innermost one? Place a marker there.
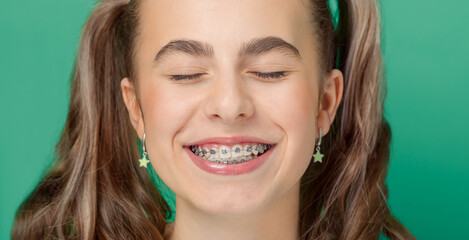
(230, 140)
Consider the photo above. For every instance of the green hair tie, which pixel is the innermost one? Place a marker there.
(334, 9)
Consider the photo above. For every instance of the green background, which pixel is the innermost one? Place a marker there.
(426, 49)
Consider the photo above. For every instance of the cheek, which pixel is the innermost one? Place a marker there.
(164, 110)
(294, 111)
(298, 107)
(293, 106)
(165, 113)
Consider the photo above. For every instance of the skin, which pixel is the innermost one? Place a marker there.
(228, 100)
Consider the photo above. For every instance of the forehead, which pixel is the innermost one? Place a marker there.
(225, 24)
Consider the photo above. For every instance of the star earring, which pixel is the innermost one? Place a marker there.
(318, 156)
(144, 161)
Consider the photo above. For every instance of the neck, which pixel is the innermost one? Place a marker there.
(278, 220)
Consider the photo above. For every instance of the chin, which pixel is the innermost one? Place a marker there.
(234, 202)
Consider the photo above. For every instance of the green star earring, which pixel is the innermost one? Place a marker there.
(318, 156)
(144, 161)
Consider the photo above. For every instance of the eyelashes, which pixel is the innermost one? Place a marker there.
(270, 74)
(265, 75)
(186, 77)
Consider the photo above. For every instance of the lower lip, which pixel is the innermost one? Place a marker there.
(229, 169)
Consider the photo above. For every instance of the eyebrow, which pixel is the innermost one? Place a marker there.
(256, 46)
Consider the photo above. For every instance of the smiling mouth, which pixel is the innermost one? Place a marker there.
(235, 154)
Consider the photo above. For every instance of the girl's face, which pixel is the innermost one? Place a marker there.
(227, 47)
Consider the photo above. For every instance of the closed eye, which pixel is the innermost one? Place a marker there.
(269, 75)
(266, 75)
(186, 77)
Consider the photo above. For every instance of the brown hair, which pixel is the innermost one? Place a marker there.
(84, 196)
(346, 196)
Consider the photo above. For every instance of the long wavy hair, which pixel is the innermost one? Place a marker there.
(85, 196)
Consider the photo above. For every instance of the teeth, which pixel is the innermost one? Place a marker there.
(247, 150)
(261, 148)
(205, 153)
(237, 151)
(199, 152)
(255, 150)
(214, 155)
(234, 155)
(225, 152)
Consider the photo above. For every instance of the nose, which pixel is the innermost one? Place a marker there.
(229, 100)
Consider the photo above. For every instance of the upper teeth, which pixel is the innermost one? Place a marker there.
(229, 154)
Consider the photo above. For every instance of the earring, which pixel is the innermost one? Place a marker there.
(318, 156)
(143, 161)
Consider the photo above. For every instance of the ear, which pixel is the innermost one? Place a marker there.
(330, 100)
(130, 100)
